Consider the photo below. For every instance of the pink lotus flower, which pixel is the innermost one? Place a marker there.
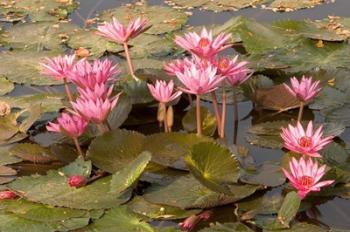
(71, 125)
(199, 80)
(177, 66)
(88, 75)
(203, 45)
(235, 72)
(95, 110)
(77, 181)
(305, 89)
(117, 32)
(7, 195)
(304, 142)
(305, 176)
(58, 67)
(99, 91)
(163, 92)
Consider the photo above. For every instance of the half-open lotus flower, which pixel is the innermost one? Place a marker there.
(94, 109)
(88, 75)
(58, 67)
(304, 90)
(177, 66)
(305, 176)
(164, 92)
(117, 32)
(199, 80)
(203, 45)
(235, 72)
(307, 142)
(69, 124)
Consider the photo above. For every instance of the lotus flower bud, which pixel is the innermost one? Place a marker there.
(5, 109)
(77, 181)
(7, 195)
(161, 112)
(170, 116)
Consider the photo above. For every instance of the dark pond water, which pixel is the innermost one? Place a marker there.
(334, 212)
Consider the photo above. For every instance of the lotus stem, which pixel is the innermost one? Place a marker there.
(223, 112)
(102, 128)
(301, 110)
(170, 118)
(198, 115)
(130, 65)
(235, 115)
(68, 92)
(190, 99)
(165, 121)
(216, 110)
(77, 145)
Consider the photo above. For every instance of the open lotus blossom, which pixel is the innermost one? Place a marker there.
(88, 75)
(68, 124)
(305, 176)
(177, 66)
(307, 142)
(7, 195)
(164, 92)
(58, 67)
(117, 32)
(95, 110)
(304, 90)
(199, 80)
(100, 91)
(77, 181)
(235, 72)
(203, 45)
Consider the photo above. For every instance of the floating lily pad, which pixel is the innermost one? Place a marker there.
(120, 219)
(6, 86)
(129, 175)
(37, 36)
(160, 212)
(227, 227)
(53, 189)
(341, 114)
(79, 167)
(291, 5)
(23, 67)
(289, 209)
(32, 152)
(268, 174)
(300, 227)
(6, 158)
(189, 121)
(196, 195)
(137, 91)
(214, 166)
(329, 98)
(163, 19)
(120, 113)
(96, 44)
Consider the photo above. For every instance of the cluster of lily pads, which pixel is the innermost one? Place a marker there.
(112, 179)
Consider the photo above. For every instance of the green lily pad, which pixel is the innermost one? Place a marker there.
(6, 158)
(137, 91)
(23, 67)
(37, 36)
(53, 189)
(160, 212)
(129, 175)
(189, 121)
(79, 167)
(114, 149)
(300, 227)
(329, 98)
(119, 219)
(163, 19)
(6, 86)
(289, 209)
(8, 126)
(291, 5)
(196, 195)
(341, 114)
(88, 39)
(32, 152)
(120, 113)
(268, 174)
(227, 227)
(49, 102)
(214, 166)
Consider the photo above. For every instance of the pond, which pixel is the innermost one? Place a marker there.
(277, 45)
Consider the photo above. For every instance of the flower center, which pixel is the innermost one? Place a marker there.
(223, 63)
(203, 42)
(305, 141)
(306, 181)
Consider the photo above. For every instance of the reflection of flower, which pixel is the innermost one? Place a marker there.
(117, 32)
(235, 72)
(5, 109)
(77, 181)
(305, 176)
(199, 80)
(304, 142)
(7, 195)
(203, 45)
(58, 67)
(305, 89)
(163, 92)
(71, 125)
